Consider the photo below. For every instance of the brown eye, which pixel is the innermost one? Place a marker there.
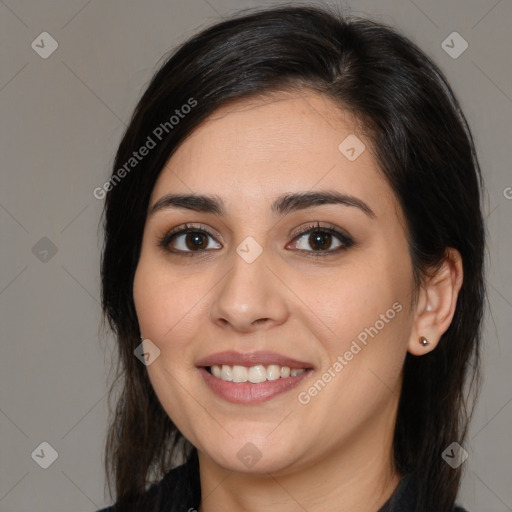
(196, 240)
(189, 240)
(319, 240)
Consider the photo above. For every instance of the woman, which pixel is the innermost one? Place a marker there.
(293, 268)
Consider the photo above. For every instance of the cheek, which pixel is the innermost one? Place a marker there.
(365, 312)
(165, 304)
(345, 303)
(167, 309)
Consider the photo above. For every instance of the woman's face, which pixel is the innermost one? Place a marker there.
(270, 280)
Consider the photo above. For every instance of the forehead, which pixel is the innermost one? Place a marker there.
(254, 149)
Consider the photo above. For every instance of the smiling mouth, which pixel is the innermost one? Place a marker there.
(253, 374)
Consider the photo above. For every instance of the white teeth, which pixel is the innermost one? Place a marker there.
(285, 372)
(273, 372)
(254, 374)
(257, 374)
(225, 373)
(239, 373)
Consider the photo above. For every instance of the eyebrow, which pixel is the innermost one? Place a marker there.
(282, 205)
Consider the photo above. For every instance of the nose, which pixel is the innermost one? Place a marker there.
(249, 297)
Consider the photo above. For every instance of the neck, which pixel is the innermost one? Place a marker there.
(357, 477)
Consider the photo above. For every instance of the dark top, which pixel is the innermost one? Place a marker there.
(179, 491)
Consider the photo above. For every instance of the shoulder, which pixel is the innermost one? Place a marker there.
(405, 496)
(146, 501)
(178, 487)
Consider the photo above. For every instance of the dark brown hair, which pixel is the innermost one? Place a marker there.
(425, 149)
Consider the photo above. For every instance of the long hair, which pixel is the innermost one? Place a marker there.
(425, 150)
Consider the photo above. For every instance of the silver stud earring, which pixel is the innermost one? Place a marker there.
(424, 342)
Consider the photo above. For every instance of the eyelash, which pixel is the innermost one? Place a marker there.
(346, 241)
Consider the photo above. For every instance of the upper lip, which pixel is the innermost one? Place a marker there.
(249, 359)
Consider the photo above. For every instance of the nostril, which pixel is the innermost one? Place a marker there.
(260, 320)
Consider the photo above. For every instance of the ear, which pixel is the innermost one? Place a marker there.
(436, 303)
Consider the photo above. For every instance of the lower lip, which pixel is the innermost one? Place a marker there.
(248, 393)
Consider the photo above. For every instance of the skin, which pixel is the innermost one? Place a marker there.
(335, 452)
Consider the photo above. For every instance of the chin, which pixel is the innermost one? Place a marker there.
(254, 455)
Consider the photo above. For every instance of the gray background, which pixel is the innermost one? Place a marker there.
(62, 118)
